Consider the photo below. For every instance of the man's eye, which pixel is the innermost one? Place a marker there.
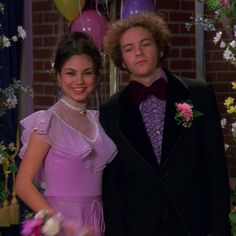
(147, 43)
(127, 49)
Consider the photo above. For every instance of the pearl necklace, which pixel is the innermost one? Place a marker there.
(82, 111)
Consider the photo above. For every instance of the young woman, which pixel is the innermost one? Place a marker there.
(64, 148)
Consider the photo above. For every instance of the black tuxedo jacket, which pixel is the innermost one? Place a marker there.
(192, 174)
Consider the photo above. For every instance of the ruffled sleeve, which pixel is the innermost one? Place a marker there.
(62, 138)
(52, 130)
(38, 122)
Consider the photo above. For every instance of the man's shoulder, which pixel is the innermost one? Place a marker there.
(113, 100)
(187, 82)
(192, 82)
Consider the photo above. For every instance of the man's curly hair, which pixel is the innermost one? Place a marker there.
(154, 23)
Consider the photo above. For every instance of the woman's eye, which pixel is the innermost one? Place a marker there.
(89, 73)
(70, 73)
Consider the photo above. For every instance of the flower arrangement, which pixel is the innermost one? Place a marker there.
(8, 152)
(45, 224)
(230, 106)
(222, 20)
(224, 14)
(9, 212)
(8, 99)
(42, 223)
(8, 166)
(8, 96)
(5, 41)
(185, 114)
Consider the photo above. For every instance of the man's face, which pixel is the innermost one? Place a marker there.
(140, 54)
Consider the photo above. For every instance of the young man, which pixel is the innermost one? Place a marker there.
(170, 176)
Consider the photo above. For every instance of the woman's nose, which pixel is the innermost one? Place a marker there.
(79, 79)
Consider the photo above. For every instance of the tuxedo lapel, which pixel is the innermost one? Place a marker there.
(132, 127)
(176, 92)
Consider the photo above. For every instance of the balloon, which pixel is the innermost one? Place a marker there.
(92, 23)
(132, 7)
(103, 2)
(70, 9)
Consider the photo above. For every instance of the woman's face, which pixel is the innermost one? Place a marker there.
(77, 77)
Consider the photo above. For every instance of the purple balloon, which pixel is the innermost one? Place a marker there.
(132, 7)
(92, 23)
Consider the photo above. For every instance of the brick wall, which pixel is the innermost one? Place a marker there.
(182, 55)
(48, 24)
(220, 74)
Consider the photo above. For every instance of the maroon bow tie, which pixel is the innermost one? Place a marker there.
(139, 92)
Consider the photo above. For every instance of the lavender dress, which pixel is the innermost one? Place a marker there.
(72, 171)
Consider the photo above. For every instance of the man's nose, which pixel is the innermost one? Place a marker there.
(138, 50)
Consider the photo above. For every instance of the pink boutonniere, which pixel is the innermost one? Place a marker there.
(185, 114)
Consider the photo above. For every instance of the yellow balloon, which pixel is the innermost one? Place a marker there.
(70, 9)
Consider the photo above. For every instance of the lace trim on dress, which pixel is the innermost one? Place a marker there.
(55, 132)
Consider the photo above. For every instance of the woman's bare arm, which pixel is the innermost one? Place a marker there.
(25, 189)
